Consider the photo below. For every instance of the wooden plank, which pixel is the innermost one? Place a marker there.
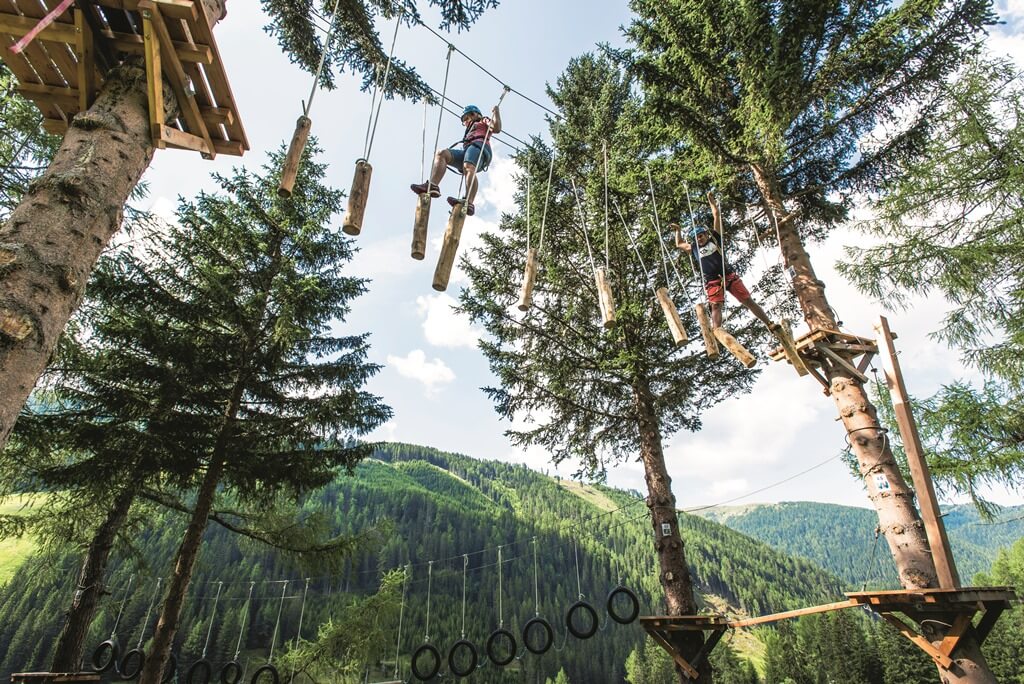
(945, 564)
(154, 83)
(20, 67)
(938, 656)
(987, 622)
(823, 348)
(216, 115)
(958, 595)
(784, 334)
(232, 148)
(52, 56)
(17, 25)
(789, 614)
(679, 660)
(176, 75)
(952, 638)
(175, 9)
(132, 44)
(65, 98)
(217, 78)
(181, 140)
(86, 62)
(865, 361)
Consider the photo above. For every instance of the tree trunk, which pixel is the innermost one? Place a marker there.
(177, 586)
(51, 242)
(674, 573)
(70, 646)
(898, 518)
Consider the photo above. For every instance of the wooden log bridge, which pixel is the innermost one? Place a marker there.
(62, 69)
(821, 350)
(906, 610)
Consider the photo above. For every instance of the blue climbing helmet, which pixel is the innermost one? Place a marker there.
(697, 230)
(471, 109)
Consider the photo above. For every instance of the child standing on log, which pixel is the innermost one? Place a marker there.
(718, 277)
(473, 158)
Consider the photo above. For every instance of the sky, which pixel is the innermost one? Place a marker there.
(785, 431)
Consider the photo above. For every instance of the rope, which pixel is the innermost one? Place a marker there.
(693, 224)
(149, 611)
(527, 214)
(423, 149)
(373, 105)
(277, 624)
(323, 58)
(298, 634)
(635, 247)
(245, 614)
(465, 564)
(401, 614)
(576, 553)
(213, 615)
(501, 612)
(430, 575)
(583, 223)
(384, 85)
(547, 196)
(871, 560)
(444, 90)
(536, 590)
(120, 610)
(607, 261)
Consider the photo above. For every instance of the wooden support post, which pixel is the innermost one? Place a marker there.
(294, 156)
(529, 274)
(450, 247)
(353, 223)
(940, 658)
(945, 565)
(605, 299)
(784, 333)
(735, 348)
(705, 330)
(675, 323)
(154, 82)
(86, 61)
(419, 227)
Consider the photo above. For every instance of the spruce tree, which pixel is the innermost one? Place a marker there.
(776, 99)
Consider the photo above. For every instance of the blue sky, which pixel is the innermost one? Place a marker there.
(433, 371)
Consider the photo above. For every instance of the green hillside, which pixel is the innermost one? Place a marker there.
(439, 506)
(841, 540)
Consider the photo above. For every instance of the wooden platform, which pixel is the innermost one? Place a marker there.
(62, 69)
(48, 677)
(826, 348)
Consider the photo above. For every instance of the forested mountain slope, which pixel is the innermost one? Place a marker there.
(429, 506)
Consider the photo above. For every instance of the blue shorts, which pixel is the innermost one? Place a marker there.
(470, 155)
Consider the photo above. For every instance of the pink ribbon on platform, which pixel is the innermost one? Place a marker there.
(43, 23)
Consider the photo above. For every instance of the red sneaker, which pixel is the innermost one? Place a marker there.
(470, 209)
(422, 188)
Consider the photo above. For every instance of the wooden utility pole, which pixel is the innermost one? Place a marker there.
(945, 566)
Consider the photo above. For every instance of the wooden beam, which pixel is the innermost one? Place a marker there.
(938, 656)
(154, 83)
(952, 638)
(176, 75)
(865, 361)
(65, 98)
(233, 148)
(18, 26)
(55, 126)
(823, 348)
(945, 565)
(217, 115)
(86, 62)
(988, 621)
(789, 614)
(683, 664)
(734, 347)
(133, 45)
(175, 9)
(217, 78)
(181, 140)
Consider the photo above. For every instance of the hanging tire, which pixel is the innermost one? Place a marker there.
(200, 673)
(275, 678)
(131, 664)
(549, 636)
(473, 658)
(634, 611)
(424, 675)
(493, 640)
(231, 673)
(589, 610)
(170, 670)
(104, 658)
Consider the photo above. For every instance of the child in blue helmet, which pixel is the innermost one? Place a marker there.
(718, 276)
(473, 157)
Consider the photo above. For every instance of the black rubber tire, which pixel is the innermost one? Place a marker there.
(493, 639)
(125, 671)
(540, 650)
(231, 672)
(104, 657)
(435, 654)
(204, 665)
(634, 612)
(274, 676)
(170, 670)
(474, 658)
(594, 622)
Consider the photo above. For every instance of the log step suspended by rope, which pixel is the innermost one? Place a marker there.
(419, 227)
(710, 343)
(784, 334)
(675, 323)
(449, 248)
(735, 348)
(529, 275)
(294, 156)
(604, 293)
(353, 223)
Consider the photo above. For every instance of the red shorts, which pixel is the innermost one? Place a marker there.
(733, 284)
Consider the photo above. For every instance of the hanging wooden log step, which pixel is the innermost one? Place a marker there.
(784, 334)
(449, 248)
(353, 223)
(675, 323)
(529, 275)
(64, 66)
(735, 348)
(605, 299)
(294, 156)
(419, 227)
(710, 343)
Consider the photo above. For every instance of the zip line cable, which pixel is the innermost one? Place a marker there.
(441, 108)
(374, 118)
(329, 31)
(547, 196)
(213, 615)
(277, 623)
(245, 614)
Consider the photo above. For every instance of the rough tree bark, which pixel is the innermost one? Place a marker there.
(898, 518)
(71, 642)
(51, 242)
(674, 573)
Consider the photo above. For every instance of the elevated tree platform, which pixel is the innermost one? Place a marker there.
(821, 348)
(64, 65)
(923, 608)
(55, 677)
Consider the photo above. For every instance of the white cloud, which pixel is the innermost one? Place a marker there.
(432, 374)
(729, 487)
(442, 325)
(498, 187)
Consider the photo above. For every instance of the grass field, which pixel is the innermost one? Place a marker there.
(13, 552)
